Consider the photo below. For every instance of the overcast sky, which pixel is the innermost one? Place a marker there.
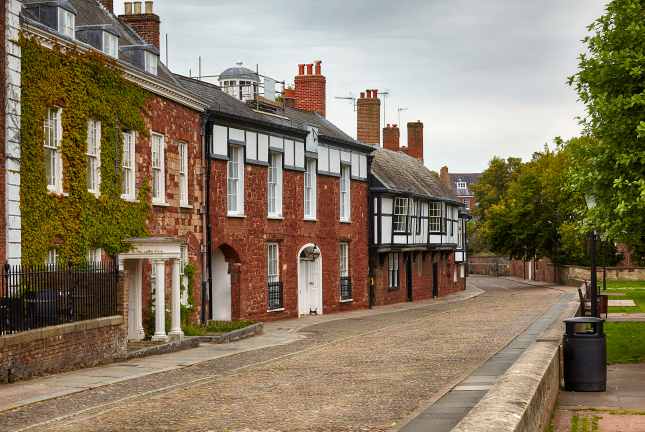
(485, 77)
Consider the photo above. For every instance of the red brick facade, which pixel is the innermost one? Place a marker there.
(368, 118)
(244, 241)
(391, 137)
(422, 273)
(311, 89)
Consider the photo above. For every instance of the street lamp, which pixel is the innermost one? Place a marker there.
(591, 204)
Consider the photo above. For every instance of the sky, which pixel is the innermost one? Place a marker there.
(487, 78)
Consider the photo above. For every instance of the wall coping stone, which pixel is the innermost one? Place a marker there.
(59, 330)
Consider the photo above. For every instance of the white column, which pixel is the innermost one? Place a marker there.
(138, 309)
(158, 267)
(175, 327)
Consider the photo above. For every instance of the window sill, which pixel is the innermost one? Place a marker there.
(130, 199)
(160, 204)
(346, 221)
(185, 206)
(60, 194)
(308, 219)
(393, 288)
(275, 217)
(275, 310)
(237, 216)
(347, 301)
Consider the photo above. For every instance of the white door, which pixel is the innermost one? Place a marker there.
(310, 293)
(132, 300)
(221, 288)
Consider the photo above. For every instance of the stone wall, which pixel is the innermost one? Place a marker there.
(65, 347)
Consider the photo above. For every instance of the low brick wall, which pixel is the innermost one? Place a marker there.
(60, 348)
(489, 265)
(573, 275)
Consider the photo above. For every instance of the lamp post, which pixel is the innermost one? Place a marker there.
(591, 204)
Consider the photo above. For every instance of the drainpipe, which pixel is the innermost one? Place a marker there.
(207, 282)
(371, 247)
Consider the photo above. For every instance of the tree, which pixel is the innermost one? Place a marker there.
(493, 183)
(609, 161)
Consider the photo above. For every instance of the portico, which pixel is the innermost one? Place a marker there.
(158, 250)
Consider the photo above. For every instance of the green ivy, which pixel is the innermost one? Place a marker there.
(86, 85)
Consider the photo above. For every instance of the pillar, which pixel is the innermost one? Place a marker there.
(175, 311)
(138, 301)
(160, 301)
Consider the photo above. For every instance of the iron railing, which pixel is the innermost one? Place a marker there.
(345, 288)
(275, 295)
(46, 295)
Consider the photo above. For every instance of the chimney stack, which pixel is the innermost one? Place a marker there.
(289, 97)
(368, 117)
(108, 4)
(140, 16)
(415, 140)
(444, 176)
(391, 137)
(311, 89)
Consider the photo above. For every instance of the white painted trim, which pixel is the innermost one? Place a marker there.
(320, 284)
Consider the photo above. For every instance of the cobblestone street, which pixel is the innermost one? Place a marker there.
(366, 373)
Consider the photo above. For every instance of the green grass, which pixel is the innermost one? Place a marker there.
(584, 424)
(612, 284)
(215, 327)
(636, 294)
(625, 342)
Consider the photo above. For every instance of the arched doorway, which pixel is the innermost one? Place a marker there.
(310, 296)
(225, 267)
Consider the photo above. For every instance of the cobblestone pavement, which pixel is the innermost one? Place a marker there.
(359, 374)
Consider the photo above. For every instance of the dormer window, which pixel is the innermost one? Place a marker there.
(110, 44)
(151, 62)
(462, 185)
(66, 22)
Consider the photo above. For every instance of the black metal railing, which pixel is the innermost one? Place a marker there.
(345, 288)
(41, 296)
(275, 295)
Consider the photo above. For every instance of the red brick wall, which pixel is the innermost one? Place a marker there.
(311, 90)
(368, 118)
(108, 4)
(248, 237)
(391, 137)
(415, 140)
(421, 277)
(176, 123)
(146, 26)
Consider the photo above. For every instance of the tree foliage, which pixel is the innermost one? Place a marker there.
(609, 161)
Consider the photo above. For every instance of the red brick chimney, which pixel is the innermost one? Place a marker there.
(108, 4)
(368, 117)
(289, 97)
(140, 17)
(415, 140)
(444, 176)
(311, 89)
(391, 137)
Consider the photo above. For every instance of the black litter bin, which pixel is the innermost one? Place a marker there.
(585, 355)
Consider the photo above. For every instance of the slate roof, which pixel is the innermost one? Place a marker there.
(220, 101)
(468, 178)
(91, 12)
(398, 172)
(239, 73)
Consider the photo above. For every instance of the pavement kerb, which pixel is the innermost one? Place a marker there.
(525, 396)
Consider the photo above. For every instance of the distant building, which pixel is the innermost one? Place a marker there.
(462, 184)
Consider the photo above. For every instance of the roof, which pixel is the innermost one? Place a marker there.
(398, 172)
(239, 73)
(468, 178)
(221, 102)
(92, 13)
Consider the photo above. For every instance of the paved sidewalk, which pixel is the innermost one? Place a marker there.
(276, 333)
(620, 409)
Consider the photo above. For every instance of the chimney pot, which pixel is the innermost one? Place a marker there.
(145, 25)
(128, 8)
(310, 69)
(375, 93)
(149, 7)
(362, 95)
(318, 67)
(137, 8)
(301, 69)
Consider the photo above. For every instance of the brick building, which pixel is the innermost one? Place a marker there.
(287, 202)
(461, 183)
(168, 156)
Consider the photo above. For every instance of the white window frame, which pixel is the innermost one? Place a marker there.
(400, 215)
(183, 174)
(393, 271)
(110, 44)
(310, 200)
(158, 167)
(94, 256)
(129, 166)
(66, 23)
(274, 185)
(151, 62)
(52, 257)
(345, 193)
(53, 136)
(273, 262)
(434, 217)
(343, 258)
(462, 185)
(235, 183)
(94, 157)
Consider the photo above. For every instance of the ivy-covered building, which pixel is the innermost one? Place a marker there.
(111, 156)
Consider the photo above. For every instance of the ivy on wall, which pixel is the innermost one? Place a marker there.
(86, 86)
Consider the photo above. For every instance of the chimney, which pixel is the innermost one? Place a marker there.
(311, 89)
(289, 97)
(139, 15)
(445, 177)
(391, 137)
(108, 4)
(415, 140)
(368, 127)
